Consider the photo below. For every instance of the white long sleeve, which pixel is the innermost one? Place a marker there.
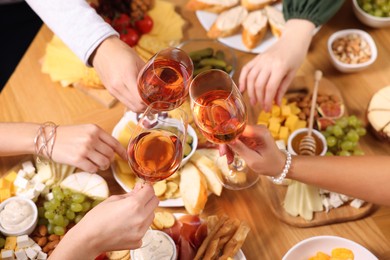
(75, 22)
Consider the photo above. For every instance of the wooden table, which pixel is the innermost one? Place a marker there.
(31, 96)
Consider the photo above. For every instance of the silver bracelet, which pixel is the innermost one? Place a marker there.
(280, 179)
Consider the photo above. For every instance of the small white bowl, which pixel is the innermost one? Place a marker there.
(368, 19)
(345, 67)
(310, 246)
(30, 227)
(303, 130)
(194, 144)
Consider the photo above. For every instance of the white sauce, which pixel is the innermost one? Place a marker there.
(232, 18)
(16, 215)
(158, 247)
(219, 2)
(255, 21)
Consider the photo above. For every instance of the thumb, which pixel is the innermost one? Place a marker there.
(250, 156)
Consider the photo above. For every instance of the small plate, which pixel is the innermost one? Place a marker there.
(310, 246)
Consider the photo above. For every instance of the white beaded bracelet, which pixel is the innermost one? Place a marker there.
(287, 165)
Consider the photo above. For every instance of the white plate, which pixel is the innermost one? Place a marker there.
(207, 19)
(309, 247)
(127, 117)
(239, 256)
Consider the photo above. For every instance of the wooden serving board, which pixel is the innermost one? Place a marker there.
(276, 193)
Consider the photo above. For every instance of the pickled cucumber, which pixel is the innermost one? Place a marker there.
(206, 59)
(187, 149)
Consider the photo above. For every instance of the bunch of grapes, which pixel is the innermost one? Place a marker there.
(66, 207)
(343, 137)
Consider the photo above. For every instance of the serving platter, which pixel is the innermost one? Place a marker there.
(276, 193)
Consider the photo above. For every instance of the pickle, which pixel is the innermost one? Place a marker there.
(189, 139)
(187, 149)
(220, 55)
(201, 69)
(207, 52)
(213, 62)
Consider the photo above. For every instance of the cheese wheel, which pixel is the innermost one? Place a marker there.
(378, 113)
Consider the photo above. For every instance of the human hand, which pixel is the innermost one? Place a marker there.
(87, 147)
(268, 76)
(258, 149)
(118, 66)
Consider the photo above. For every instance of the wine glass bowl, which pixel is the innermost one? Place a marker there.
(155, 149)
(166, 77)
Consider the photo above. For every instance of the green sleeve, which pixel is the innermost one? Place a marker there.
(316, 11)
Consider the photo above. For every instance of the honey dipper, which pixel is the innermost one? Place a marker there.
(307, 146)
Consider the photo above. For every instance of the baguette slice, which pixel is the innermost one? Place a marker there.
(193, 189)
(252, 5)
(276, 20)
(214, 6)
(255, 28)
(228, 22)
(210, 171)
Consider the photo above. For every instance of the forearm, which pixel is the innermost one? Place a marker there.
(364, 177)
(298, 34)
(17, 138)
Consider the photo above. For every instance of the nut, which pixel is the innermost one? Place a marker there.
(42, 230)
(42, 241)
(351, 49)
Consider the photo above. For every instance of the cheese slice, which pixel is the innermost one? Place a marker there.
(90, 184)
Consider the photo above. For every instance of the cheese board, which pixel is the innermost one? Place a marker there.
(276, 193)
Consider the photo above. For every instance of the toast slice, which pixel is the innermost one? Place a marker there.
(255, 27)
(214, 6)
(228, 23)
(252, 5)
(275, 20)
(193, 189)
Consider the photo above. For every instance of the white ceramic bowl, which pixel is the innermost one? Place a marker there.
(192, 133)
(345, 67)
(303, 130)
(368, 19)
(30, 227)
(310, 246)
(149, 244)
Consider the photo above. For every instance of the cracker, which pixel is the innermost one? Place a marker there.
(118, 255)
(165, 218)
(160, 188)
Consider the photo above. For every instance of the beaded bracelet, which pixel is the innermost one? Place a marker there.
(280, 179)
(44, 144)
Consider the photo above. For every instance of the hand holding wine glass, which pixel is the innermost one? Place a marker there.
(220, 114)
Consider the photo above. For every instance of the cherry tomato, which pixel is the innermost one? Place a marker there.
(144, 25)
(102, 256)
(121, 22)
(129, 36)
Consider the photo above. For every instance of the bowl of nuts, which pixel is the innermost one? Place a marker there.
(351, 50)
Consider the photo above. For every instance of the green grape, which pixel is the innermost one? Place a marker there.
(328, 153)
(86, 206)
(49, 214)
(342, 122)
(329, 129)
(331, 141)
(66, 222)
(78, 198)
(378, 13)
(95, 203)
(347, 146)
(78, 218)
(70, 214)
(2, 242)
(352, 136)
(344, 153)
(50, 228)
(366, 7)
(361, 131)
(67, 192)
(358, 152)
(59, 230)
(47, 205)
(59, 220)
(55, 203)
(76, 207)
(353, 121)
(41, 212)
(337, 131)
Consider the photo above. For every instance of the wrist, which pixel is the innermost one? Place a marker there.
(300, 30)
(102, 47)
(279, 178)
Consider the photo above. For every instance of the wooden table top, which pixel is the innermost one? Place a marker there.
(31, 96)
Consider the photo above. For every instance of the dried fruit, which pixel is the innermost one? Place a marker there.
(331, 110)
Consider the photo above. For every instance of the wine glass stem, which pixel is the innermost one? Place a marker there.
(237, 164)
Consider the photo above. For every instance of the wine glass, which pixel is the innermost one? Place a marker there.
(155, 149)
(220, 114)
(166, 77)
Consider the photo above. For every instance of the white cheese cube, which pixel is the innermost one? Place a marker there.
(22, 173)
(28, 164)
(39, 186)
(31, 194)
(21, 254)
(356, 203)
(7, 255)
(326, 203)
(21, 182)
(335, 200)
(31, 242)
(323, 191)
(22, 241)
(49, 196)
(36, 247)
(35, 179)
(344, 198)
(31, 253)
(41, 255)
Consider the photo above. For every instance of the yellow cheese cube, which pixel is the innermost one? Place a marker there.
(274, 127)
(295, 110)
(275, 135)
(125, 133)
(5, 194)
(4, 184)
(123, 166)
(275, 111)
(301, 124)
(285, 110)
(283, 133)
(11, 176)
(264, 116)
(291, 122)
(10, 243)
(284, 101)
(274, 120)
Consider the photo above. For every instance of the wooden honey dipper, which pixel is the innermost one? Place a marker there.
(307, 146)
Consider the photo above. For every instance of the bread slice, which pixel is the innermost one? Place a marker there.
(228, 22)
(276, 20)
(193, 189)
(255, 27)
(252, 5)
(214, 6)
